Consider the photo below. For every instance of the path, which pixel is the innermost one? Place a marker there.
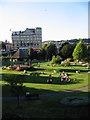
(68, 91)
(51, 94)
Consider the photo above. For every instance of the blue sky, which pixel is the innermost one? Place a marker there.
(59, 20)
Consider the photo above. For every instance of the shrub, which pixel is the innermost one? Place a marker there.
(69, 59)
(5, 60)
(56, 59)
(34, 61)
(67, 62)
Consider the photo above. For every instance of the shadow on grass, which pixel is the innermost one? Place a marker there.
(47, 106)
(36, 69)
(72, 70)
(39, 79)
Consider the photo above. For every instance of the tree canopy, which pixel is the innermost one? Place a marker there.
(80, 51)
(66, 51)
(51, 50)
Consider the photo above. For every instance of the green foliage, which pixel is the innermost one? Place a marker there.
(5, 60)
(42, 52)
(66, 51)
(80, 51)
(53, 59)
(69, 59)
(2, 45)
(67, 62)
(32, 54)
(16, 84)
(51, 50)
(66, 43)
(56, 59)
(88, 54)
(75, 101)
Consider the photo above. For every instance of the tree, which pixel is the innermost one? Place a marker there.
(16, 85)
(88, 54)
(56, 59)
(51, 50)
(66, 51)
(2, 45)
(42, 52)
(31, 53)
(66, 43)
(79, 52)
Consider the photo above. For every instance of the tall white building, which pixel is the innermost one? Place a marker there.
(29, 38)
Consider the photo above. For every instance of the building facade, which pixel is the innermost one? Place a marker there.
(57, 43)
(30, 38)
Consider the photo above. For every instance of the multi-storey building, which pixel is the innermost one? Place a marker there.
(29, 38)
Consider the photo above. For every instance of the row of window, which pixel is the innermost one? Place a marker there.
(32, 36)
(18, 42)
(39, 39)
(27, 44)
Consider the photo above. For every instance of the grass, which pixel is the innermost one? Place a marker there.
(45, 108)
(48, 107)
(39, 82)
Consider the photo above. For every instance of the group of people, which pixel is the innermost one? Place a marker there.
(64, 77)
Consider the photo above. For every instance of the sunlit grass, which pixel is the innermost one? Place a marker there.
(39, 83)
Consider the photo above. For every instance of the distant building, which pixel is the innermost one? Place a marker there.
(75, 41)
(5, 48)
(8, 46)
(29, 38)
(21, 53)
(57, 43)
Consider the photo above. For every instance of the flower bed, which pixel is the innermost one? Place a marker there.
(75, 101)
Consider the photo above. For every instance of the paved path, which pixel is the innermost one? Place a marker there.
(68, 91)
(50, 94)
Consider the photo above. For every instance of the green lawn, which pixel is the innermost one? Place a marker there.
(38, 83)
(48, 107)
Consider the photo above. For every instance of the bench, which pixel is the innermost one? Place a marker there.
(32, 97)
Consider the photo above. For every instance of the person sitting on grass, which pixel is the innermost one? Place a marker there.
(60, 75)
(62, 79)
(68, 79)
(63, 73)
(50, 80)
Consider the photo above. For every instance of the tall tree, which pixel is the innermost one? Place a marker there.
(80, 51)
(88, 54)
(2, 45)
(51, 50)
(31, 53)
(16, 85)
(66, 51)
(42, 52)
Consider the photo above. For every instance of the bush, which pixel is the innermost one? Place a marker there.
(66, 62)
(69, 59)
(53, 59)
(5, 60)
(75, 101)
(56, 59)
(34, 61)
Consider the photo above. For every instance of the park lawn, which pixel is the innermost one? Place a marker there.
(38, 83)
(48, 107)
